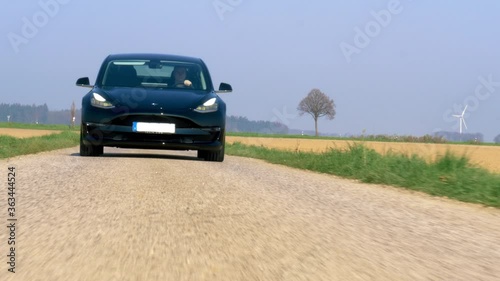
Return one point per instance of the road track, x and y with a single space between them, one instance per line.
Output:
154 215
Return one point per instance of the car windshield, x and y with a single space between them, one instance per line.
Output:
158 74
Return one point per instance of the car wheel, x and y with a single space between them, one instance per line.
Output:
214 156
89 149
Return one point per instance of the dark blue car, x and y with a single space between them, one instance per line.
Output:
153 101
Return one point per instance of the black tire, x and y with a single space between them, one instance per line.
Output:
213 156
90 150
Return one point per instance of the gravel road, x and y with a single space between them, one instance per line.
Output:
153 215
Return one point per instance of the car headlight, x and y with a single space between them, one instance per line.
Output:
99 101
210 105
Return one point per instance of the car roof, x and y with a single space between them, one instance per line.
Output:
151 56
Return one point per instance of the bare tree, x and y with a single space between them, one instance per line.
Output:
73 114
317 104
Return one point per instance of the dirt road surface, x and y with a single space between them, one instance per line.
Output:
152 215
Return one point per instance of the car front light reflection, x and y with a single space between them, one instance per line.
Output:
99 101
210 105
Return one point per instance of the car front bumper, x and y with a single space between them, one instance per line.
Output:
205 138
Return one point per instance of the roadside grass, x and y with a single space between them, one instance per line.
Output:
450 176
59 127
11 146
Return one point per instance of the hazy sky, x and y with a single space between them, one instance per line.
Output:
392 67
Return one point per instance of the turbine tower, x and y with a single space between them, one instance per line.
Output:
462 119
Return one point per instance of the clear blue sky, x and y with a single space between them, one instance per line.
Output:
419 62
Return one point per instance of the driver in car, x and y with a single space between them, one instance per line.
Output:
179 75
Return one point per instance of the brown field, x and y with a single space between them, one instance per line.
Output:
484 156
26 133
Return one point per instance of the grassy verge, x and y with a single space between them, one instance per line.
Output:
450 176
10 146
38 126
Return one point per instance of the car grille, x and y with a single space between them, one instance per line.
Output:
129 119
167 138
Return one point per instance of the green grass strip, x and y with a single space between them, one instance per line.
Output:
451 176
10 146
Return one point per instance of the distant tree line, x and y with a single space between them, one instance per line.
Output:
24 113
242 124
40 114
402 138
35 114
464 137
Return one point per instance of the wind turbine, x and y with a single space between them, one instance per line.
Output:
462 120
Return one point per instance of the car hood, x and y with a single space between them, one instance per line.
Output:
155 100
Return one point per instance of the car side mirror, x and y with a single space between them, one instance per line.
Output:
84 82
225 88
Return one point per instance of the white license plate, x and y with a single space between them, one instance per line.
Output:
159 128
